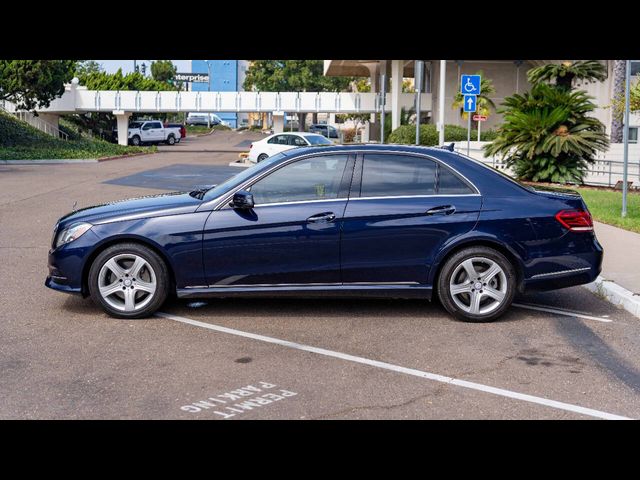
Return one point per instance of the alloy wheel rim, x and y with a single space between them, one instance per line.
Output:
127 282
478 286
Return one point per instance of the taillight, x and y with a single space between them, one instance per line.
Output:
576 220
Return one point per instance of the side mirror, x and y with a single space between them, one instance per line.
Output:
242 199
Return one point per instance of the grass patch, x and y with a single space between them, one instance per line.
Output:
606 205
19 141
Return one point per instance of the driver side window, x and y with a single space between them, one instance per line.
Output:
316 178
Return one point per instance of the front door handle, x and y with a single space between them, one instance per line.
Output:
322 217
442 210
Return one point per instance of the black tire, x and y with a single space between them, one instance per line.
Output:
262 156
135 141
156 263
505 283
171 140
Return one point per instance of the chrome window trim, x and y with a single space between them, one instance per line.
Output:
344 199
217 204
417 196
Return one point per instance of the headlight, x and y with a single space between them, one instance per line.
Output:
71 233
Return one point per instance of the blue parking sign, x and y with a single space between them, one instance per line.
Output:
470 84
470 103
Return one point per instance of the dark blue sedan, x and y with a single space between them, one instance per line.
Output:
375 220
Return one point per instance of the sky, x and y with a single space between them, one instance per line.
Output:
111 66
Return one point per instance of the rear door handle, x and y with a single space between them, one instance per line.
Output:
322 217
442 210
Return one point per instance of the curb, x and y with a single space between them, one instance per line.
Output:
616 294
68 161
105 159
53 161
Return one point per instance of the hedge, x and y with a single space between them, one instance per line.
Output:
406 134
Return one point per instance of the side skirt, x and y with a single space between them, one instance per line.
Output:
314 290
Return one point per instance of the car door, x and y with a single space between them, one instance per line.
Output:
277 144
146 132
158 132
402 209
291 236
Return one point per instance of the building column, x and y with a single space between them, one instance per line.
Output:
396 90
122 119
278 122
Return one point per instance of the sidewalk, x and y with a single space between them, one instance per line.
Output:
619 281
621 256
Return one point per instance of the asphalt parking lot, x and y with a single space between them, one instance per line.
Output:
560 355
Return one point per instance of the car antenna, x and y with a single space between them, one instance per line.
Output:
448 147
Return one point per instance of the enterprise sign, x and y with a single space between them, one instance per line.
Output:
192 77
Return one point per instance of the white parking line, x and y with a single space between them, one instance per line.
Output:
567 313
396 368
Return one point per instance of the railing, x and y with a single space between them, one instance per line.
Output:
602 172
41 125
173 101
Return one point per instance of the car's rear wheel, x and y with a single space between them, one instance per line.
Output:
477 284
128 280
171 140
262 156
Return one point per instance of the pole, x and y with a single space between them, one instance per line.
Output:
418 77
384 99
479 126
625 139
443 79
208 90
468 132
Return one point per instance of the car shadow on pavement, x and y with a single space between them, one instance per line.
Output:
584 339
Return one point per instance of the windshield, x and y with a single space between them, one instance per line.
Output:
135 124
318 140
241 177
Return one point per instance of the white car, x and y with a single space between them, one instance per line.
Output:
279 142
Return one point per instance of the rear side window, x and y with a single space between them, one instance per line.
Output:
450 184
396 175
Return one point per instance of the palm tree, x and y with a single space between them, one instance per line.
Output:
619 72
484 103
565 72
547 134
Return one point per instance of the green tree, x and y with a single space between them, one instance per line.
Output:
484 103
163 70
547 134
86 67
293 76
34 83
565 73
619 71
118 81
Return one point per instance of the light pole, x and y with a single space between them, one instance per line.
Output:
625 136
208 90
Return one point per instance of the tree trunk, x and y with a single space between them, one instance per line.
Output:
302 119
619 72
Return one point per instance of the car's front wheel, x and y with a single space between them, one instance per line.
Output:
135 141
128 280
477 284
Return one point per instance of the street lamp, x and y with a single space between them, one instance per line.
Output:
208 90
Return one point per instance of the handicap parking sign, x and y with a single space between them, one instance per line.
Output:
470 84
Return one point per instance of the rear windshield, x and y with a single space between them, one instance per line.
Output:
499 172
318 140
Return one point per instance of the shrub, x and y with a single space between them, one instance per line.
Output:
406 134
348 135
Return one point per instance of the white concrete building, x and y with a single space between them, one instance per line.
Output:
508 77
